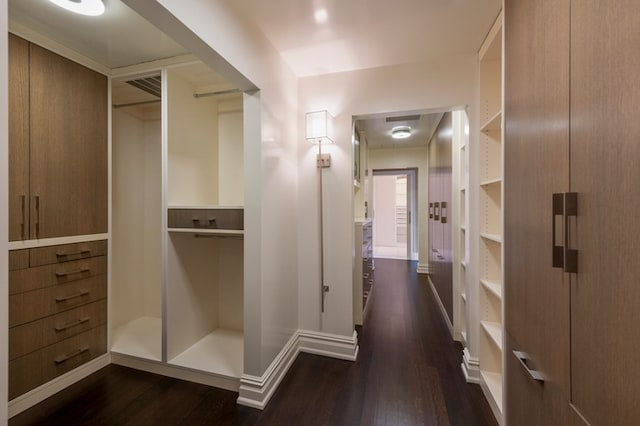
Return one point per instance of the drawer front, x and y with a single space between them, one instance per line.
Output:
66 252
35 335
60 273
206 218
33 305
36 368
18 259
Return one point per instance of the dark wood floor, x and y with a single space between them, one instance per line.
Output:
407 373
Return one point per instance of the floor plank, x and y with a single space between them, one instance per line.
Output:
407 373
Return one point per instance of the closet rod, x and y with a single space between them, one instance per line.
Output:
222 92
136 103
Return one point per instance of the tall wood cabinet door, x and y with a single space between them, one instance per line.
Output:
536 165
18 138
605 153
68 147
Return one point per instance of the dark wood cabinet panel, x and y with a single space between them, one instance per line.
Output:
68 147
536 156
18 138
605 149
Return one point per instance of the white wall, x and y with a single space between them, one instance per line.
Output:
241 54
442 84
4 218
384 211
230 159
401 158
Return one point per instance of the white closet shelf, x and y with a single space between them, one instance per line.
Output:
493 286
212 232
493 123
493 381
494 330
495 181
221 352
141 338
496 238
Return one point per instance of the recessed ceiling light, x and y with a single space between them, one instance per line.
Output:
82 7
321 16
401 132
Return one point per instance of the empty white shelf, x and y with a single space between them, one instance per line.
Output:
497 238
493 286
493 181
220 352
493 123
141 338
494 330
493 381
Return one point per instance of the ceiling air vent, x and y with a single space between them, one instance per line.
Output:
151 85
402 118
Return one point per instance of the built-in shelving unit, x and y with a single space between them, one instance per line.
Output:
491 219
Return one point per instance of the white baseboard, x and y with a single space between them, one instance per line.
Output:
256 391
443 311
470 367
423 268
182 373
39 394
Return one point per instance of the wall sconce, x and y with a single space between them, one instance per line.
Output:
319 130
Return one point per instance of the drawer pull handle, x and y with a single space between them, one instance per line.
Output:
70 355
197 223
72 324
23 229
73 296
74 253
37 216
523 358
74 272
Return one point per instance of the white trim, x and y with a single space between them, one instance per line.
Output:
39 394
256 391
442 308
27 244
423 268
152 66
470 367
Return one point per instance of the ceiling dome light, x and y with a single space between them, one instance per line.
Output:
82 7
401 132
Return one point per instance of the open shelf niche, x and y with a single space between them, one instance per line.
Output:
136 282
491 219
204 265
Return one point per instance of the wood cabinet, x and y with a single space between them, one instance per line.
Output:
57 145
57 311
570 93
363 269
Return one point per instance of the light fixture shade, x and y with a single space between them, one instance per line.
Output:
401 132
319 127
82 7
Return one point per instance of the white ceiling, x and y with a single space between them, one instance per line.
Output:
378 129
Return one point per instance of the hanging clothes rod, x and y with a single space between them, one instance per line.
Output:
222 92
136 103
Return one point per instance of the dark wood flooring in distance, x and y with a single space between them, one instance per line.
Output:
407 373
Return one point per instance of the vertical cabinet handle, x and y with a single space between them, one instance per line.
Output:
23 229
436 211
570 210
523 359
37 216
558 251
443 212
430 210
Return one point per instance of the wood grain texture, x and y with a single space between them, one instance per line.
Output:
605 148
68 147
18 259
66 252
536 164
206 218
18 138
408 372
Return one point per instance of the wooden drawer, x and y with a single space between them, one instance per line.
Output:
34 335
36 304
18 259
50 275
206 218
36 368
66 252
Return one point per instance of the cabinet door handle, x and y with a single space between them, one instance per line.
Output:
73 296
74 253
37 216
570 210
74 272
436 211
558 251
70 355
197 223
443 212
23 229
72 324
430 210
523 358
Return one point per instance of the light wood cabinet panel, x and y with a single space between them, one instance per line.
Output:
605 148
536 162
18 138
68 147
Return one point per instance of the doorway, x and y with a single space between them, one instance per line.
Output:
394 207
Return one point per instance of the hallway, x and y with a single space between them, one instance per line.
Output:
408 373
